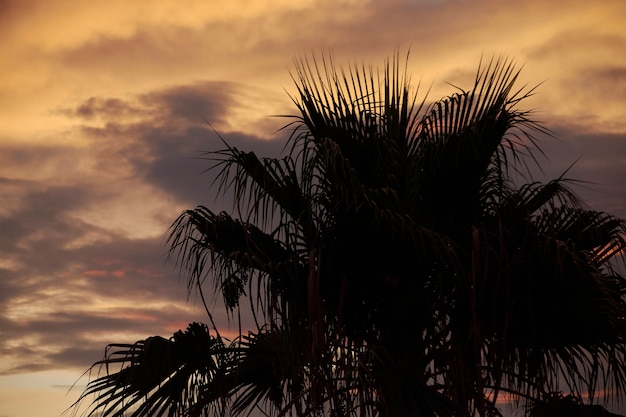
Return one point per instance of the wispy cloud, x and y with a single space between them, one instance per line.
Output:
83 253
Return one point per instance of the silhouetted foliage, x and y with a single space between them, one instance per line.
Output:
392 264
557 404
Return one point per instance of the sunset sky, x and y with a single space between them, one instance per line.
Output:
102 116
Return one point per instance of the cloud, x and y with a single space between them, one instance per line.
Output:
190 104
83 255
161 137
608 82
597 160
79 298
106 108
187 104
260 47
584 82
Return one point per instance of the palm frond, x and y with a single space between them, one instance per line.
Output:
267 186
157 376
205 243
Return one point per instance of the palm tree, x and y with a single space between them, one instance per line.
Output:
392 265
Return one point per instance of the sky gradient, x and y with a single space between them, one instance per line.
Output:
102 119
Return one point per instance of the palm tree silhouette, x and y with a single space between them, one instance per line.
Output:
392 265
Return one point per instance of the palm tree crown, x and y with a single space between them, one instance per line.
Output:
392 265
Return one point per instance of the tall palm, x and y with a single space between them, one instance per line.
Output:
392 265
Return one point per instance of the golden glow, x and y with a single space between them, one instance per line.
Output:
44 394
75 186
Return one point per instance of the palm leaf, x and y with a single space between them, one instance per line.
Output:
157 376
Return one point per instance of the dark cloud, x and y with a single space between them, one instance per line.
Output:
69 280
85 295
167 147
180 162
597 160
192 104
19 161
40 225
187 104
48 285
608 83
105 108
